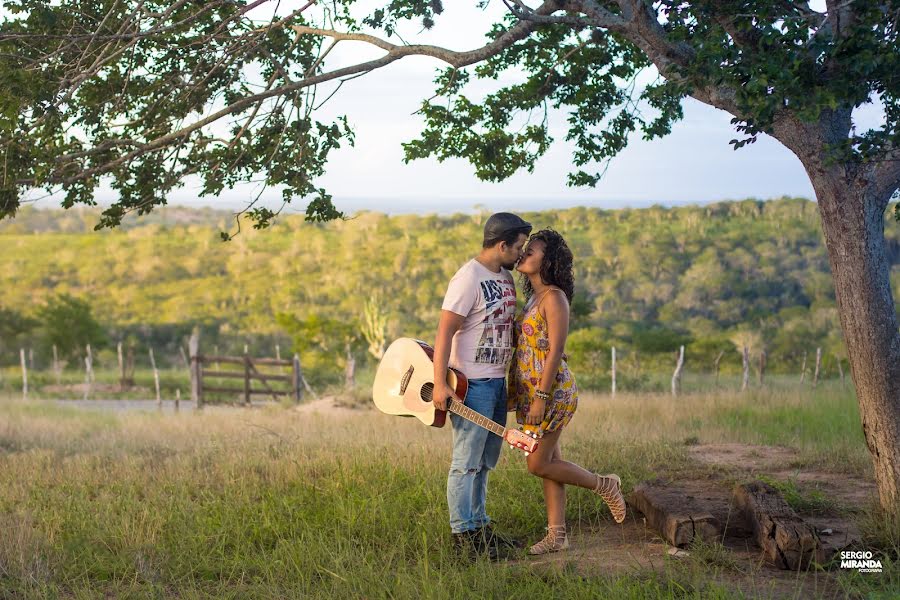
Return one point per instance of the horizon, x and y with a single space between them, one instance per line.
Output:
358 205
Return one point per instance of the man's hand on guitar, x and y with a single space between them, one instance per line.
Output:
440 395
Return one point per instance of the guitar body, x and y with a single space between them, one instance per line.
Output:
404 382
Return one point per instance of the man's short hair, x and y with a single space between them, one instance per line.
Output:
504 227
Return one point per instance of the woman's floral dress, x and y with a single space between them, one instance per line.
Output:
532 346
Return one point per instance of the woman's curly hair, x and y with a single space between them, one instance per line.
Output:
556 267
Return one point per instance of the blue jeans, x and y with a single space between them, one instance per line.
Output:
475 452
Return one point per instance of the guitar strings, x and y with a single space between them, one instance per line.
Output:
427 392
461 409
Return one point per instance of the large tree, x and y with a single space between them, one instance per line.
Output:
145 93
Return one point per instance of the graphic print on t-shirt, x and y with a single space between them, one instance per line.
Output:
495 345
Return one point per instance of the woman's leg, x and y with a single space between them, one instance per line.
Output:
555 495
545 463
555 500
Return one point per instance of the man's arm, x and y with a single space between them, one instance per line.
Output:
448 326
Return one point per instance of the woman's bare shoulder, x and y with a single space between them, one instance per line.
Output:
556 303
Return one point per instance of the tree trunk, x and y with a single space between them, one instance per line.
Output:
803 369
716 364
762 367
350 372
853 223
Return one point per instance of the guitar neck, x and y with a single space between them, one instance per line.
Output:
458 408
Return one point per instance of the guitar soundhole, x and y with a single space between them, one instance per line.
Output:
427 391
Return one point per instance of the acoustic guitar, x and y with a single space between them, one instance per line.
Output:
404 383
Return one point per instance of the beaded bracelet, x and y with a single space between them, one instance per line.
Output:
542 395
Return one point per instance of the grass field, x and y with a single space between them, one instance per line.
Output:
278 503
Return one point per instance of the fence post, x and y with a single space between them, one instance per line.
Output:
745 358
121 364
155 379
90 363
56 369
613 371
296 376
818 365
196 368
177 399
24 374
762 366
246 377
88 372
803 368
840 370
676 376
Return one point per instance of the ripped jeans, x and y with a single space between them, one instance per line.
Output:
475 452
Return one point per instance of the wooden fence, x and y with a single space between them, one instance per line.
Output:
249 373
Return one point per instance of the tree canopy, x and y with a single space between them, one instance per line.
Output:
145 95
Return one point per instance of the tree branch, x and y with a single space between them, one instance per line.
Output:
524 13
457 59
841 16
645 31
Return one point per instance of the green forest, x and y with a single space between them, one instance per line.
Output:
712 278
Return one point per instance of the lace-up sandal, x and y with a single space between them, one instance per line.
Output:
554 541
609 487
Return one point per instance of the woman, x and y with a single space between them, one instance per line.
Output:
542 388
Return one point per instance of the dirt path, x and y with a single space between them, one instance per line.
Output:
632 547
851 491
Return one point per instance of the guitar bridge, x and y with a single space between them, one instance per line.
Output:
405 381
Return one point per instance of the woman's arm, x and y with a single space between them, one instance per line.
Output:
556 314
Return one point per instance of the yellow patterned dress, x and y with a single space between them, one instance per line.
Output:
532 346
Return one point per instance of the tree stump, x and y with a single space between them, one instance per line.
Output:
673 515
786 540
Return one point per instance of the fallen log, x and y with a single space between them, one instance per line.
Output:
674 515
786 540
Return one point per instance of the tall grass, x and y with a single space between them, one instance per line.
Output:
277 503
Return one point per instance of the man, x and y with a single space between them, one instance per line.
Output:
475 336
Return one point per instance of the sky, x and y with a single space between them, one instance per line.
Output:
693 164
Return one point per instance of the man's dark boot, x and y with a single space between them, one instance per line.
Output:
502 542
464 544
488 545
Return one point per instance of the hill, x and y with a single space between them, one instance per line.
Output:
646 279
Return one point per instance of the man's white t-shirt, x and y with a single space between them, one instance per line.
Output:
483 346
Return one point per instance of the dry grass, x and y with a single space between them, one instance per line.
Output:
277 502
